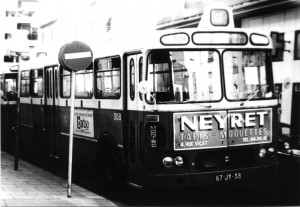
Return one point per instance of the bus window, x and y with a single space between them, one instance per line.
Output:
55 83
141 74
36 77
108 82
84 84
50 84
247 75
10 87
47 84
184 76
65 84
24 84
297 45
132 78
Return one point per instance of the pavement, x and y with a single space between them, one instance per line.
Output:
33 186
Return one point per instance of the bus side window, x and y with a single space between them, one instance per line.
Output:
10 87
25 84
132 77
108 78
36 83
65 83
51 84
55 83
47 83
84 84
141 74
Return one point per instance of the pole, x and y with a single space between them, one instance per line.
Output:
71 134
16 163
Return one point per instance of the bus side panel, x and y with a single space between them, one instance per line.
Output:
26 130
85 148
132 146
109 122
8 127
49 127
39 140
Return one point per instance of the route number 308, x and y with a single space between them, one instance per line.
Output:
117 117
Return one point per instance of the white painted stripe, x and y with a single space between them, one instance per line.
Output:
78 55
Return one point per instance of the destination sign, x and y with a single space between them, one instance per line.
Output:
216 129
175 39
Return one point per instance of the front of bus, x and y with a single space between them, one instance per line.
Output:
214 115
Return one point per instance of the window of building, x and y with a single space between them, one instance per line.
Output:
297 45
36 77
33 34
24 26
278 46
107 76
25 80
7 36
8 59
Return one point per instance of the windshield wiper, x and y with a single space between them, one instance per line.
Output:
207 106
253 94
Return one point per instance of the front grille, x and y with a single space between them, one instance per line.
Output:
224 159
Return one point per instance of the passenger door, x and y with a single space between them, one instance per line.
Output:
134 116
51 111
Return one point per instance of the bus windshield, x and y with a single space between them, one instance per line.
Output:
184 76
247 75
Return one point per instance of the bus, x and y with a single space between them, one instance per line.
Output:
184 107
8 82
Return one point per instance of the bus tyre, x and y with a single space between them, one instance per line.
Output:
108 168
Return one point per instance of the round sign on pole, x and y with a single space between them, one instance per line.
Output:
75 56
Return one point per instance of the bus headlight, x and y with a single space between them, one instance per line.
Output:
271 149
262 152
178 161
167 162
286 145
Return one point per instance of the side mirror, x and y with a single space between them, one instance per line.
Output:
144 88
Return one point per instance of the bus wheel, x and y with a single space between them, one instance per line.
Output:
108 168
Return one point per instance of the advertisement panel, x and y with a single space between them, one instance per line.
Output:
84 122
216 129
249 127
199 130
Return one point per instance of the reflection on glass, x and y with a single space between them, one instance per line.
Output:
247 75
84 84
108 76
184 76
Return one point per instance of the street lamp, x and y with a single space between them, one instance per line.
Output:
19 45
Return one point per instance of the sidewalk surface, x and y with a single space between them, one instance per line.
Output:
33 186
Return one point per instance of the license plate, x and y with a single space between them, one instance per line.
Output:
228 177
